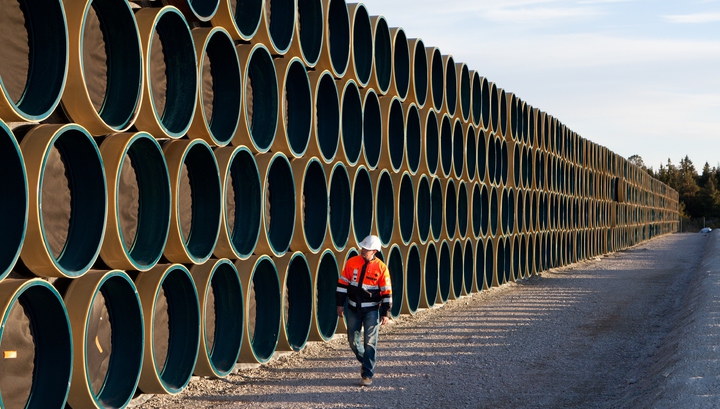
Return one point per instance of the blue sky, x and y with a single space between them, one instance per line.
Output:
638 76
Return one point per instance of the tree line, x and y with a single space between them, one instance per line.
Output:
699 195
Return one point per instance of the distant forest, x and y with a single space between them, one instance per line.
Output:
699 195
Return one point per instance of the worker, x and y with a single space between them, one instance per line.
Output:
365 283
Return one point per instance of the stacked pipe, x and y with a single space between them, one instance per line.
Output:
183 185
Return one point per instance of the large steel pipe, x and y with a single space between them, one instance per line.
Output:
393 134
325 131
458 269
476 210
418 91
35 54
277 25
422 210
430 157
170 85
469 284
261 107
476 99
458 150
362 203
446 146
325 277
436 75
309 29
171 313
196 201
351 123
105 76
436 208
470 152
108 336
382 58
430 283
479 261
68 209
220 294
400 63
217 114
413 138
384 207
37 345
335 54
452 86
241 203
139 201
493 125
297 301
311 205
492 159
396 266
339 206
263 308
450 209
462 210
404 228
15 211
278 214
413 273
296 109
241 19
372 129
494 209
361 51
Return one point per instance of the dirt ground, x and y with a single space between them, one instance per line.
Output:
635 329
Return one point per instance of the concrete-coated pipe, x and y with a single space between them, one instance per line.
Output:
311 205
436 75
458 269
196 201
170 86
423 211
240 20
469 285
458 150
464 97
384 207
418 91
480 100
37 345
362 203
308 35
139 201
277 26
476 210
108 336
463 213
105 75
217 114
67 211
451 85
431 267
482 156
171 313
437 198
382 58
446 146
15 185
296 108
430 158
470 152
35 60
335 54
372 129
297 301
396 266
450 209
414 267
351 123
413 138
361 50
400 63
263 308
339 213
393 134
325 130
220 293
326 272
260 106
404 228
278 215
241 203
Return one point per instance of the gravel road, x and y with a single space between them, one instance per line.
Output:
635 329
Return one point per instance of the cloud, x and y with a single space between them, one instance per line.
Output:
697 18
535 14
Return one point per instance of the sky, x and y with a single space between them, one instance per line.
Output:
641 77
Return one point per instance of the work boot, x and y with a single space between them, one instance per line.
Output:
366 381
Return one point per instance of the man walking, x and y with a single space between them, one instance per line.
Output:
365 283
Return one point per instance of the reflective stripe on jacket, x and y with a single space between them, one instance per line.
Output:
374 290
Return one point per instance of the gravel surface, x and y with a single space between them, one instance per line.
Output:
634 329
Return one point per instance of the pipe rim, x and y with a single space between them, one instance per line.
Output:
327 106
337 39
260 71
248 180
15 184
362 210
339 198
422 210
437 196
362 44
310 42
281 27
325 284
351 122
279 238
382 56
419 72
400 62
372 129
413 138
298 321
458 149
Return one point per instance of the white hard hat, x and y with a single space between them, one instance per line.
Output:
371 242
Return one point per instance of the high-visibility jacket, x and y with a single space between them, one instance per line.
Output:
373 292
